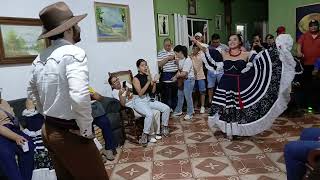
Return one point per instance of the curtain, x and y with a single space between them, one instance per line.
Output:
181 30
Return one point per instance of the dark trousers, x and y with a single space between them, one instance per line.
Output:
104 124
169 94
296 153
309 88
74 157
8 151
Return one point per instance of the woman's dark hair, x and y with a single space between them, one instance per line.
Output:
269 36
183 49
257 34
110 78
239 38
139 62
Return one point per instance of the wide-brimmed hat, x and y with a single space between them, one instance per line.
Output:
57 18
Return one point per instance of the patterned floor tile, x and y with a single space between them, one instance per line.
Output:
129 144
271 144
214 166
170 152
136 155
268 134
173 139
220 178
172 169
307 120
197 127
283 121
288 130
199 137
176 128
205 150
137 171
109 169
253 164
273 176
278 159
236 148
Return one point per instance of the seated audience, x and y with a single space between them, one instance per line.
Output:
143 84
186 80
43 166
13 143
125 97
296 153
102 121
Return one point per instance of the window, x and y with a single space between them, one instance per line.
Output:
198 25
242 29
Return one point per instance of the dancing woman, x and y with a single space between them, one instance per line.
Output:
254 90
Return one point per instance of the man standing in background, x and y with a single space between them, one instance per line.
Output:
169 68
309 50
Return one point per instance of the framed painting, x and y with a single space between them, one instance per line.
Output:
192 7
218 21
19 40
163 24
304 15
112 21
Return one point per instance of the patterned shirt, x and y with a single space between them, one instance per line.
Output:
170 66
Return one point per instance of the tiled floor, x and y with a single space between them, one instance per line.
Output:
193 151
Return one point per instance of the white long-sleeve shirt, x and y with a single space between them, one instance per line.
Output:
60 84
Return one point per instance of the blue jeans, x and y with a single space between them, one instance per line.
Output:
213 79
200 85
104 124
186 93
9 149
146 108
296 152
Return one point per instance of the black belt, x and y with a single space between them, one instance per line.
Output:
62 123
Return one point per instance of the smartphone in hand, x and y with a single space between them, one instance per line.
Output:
124 84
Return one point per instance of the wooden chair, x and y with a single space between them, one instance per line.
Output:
133 126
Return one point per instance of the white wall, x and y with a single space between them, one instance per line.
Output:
103 57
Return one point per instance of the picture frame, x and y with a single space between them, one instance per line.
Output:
192 7
304 14
116 28
19 40
163 24
218 22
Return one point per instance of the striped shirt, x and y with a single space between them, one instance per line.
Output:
170 66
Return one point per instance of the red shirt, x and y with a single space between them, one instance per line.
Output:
310 47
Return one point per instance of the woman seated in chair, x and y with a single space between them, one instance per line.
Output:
143 104
124 95
12 140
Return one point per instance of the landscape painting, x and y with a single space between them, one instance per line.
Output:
113 22
19 40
